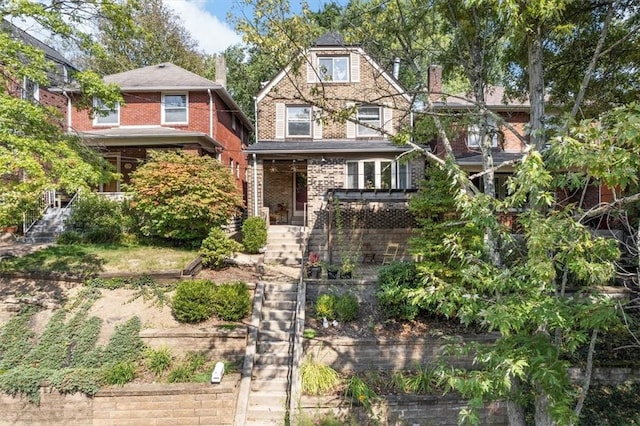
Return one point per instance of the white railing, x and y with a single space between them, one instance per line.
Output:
30 217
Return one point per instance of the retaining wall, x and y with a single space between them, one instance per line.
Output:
131 404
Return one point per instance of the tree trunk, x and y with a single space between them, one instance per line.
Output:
536 88
542 415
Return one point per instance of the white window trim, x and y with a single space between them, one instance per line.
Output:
163 119
378 173
473 135
36 90
368 131
97 116
286 121
333 57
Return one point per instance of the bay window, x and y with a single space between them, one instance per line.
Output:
377 174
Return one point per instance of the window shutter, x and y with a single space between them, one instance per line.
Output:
280 113
317 124
351 126
388 121
355 67
311 64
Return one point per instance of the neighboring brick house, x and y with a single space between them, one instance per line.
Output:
306 156
165 107
59 73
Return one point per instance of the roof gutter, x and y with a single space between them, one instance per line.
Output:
210 113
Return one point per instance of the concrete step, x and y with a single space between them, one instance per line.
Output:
271 335
277 315
269 372
274 401
279 305
265 416
276 326
276 385
280 296
269 287
288 260
267 346
273 359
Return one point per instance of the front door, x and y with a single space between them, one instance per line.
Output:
299 192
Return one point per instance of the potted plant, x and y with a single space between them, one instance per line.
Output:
313 266
332 272
346 268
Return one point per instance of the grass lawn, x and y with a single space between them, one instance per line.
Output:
90 259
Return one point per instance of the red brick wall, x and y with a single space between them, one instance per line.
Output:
232 141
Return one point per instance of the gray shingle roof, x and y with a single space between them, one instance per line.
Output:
165 76
330 39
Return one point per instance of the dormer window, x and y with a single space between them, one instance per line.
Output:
174 108
333 68
105 115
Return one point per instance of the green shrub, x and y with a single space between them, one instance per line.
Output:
394 283
346 308
158 360
231 301
325 306
193 301
180 196
217 248
254 234
120 373
96 219
69 237
318 378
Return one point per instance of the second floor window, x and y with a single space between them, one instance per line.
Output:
473 134
105 115
299 121
334 68
174 108
30 90
369 121
377 174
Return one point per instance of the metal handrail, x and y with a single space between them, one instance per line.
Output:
30 217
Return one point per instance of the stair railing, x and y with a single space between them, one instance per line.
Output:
30 217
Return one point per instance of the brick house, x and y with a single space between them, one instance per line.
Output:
59 73
165 107
310 153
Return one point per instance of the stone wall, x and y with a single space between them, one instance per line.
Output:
400 410
132 404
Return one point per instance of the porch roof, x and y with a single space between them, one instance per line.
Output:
149 136
475 159
325 146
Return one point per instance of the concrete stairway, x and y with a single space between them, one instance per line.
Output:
284 244
268 397
49 226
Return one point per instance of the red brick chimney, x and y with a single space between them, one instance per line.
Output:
435 82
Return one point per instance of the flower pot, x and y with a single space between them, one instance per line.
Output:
332 275
314 272
345 275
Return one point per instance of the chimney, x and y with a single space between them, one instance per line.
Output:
435 82
396 68
221 71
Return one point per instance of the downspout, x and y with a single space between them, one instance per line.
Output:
255 160
64 92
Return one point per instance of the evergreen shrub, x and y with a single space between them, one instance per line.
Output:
95 219
193 301
254 234
231 301
217 249
346 308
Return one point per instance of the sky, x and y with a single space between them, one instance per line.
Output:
207 20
